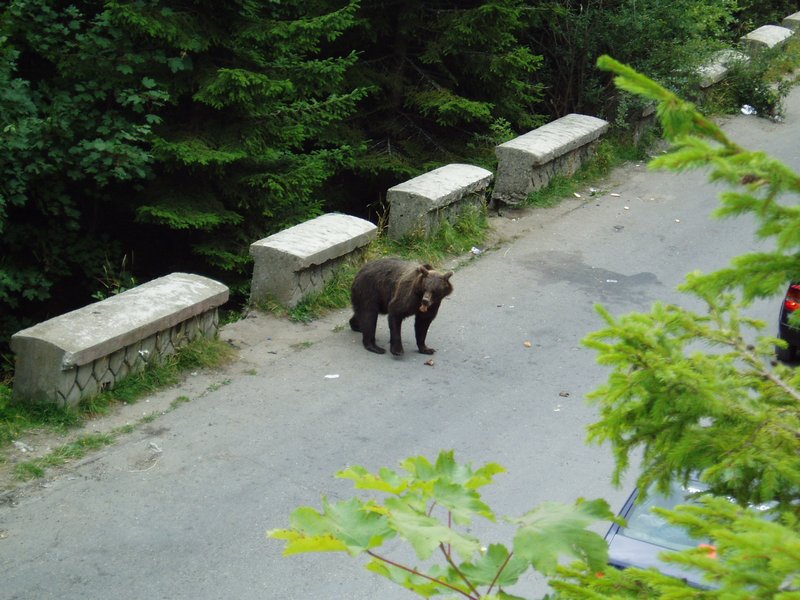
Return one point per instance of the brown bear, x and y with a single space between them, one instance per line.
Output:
400 289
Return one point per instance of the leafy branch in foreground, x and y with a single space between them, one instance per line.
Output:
424 507
702 394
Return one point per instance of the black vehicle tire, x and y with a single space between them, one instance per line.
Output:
787 354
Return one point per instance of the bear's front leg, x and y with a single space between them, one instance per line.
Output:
421 325
395 341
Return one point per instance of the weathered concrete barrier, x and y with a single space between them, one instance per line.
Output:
81 353
792 22
641 121
293 263
766 36
717 68
528 163
420 205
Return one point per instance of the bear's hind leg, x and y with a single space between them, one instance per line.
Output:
368 323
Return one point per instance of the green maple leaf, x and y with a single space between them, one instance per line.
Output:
300 543
483 476
484 571
385 481
553 529
419 468
447 469
346 526
462 503
425 533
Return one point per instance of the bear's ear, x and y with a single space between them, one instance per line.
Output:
424 270
448 275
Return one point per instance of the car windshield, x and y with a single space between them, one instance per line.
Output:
646 526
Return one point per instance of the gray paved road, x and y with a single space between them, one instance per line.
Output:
189 522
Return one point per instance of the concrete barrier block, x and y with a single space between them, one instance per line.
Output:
297 261
421 204
766 36
716 69
69 357
792 22
528 162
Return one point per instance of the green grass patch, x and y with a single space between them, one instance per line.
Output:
786 62
150 417
16 418
28 470
451 239
201 354
611 153
204 354
215 386
178 401
74 450
336 294
553 193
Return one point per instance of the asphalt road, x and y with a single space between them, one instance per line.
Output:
179 508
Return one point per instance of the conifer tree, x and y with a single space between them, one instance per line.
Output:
249 136
171 133
695 395
449 81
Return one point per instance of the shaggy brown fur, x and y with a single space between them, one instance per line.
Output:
400 289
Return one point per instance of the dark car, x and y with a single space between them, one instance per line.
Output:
789 334
647 534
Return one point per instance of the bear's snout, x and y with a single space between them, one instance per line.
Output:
427 298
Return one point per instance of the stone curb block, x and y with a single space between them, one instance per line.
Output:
109 339
292 263
528 162
421 204
717 68
792 22
766 36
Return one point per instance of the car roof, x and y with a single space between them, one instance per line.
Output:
648 535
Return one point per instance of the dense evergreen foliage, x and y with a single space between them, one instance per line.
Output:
173 134
143 137
449 79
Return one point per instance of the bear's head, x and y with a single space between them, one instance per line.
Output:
432 285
